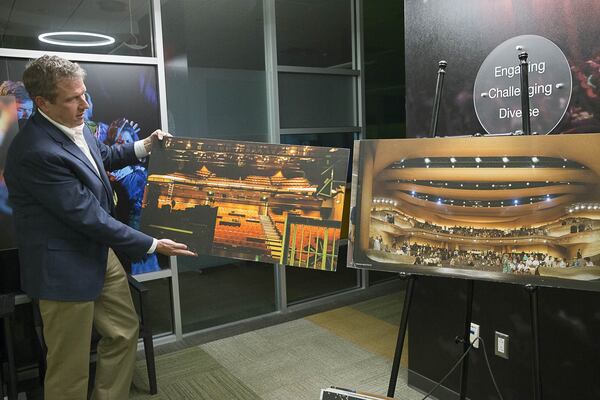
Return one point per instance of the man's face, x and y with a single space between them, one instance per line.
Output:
24 109
69 105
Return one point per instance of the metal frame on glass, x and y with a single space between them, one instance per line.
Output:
275 131
270 38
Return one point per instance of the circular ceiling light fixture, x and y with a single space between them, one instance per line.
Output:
51 38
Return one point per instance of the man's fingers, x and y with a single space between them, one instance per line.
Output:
160 135
172 248
178 246
185 253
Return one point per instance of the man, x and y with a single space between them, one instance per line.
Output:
66 235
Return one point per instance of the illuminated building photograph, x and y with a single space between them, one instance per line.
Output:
515 205
251 201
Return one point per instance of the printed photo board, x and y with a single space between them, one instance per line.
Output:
520 209
251 201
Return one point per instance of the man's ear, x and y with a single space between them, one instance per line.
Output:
41 103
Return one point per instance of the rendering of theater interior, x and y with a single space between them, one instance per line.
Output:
254 201
513 204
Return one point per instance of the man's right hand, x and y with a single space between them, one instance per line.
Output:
171 248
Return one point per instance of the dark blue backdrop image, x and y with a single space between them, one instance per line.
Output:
464 32
123 108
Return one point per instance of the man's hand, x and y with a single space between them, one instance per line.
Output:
171 248
155 136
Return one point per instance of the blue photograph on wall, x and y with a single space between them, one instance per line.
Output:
123 102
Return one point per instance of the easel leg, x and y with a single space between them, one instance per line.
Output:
537 378
401 334
464 373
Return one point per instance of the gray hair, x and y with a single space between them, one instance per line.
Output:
42 75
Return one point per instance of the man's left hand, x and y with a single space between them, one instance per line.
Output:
155 136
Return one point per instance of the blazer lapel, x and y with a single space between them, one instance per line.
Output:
76 152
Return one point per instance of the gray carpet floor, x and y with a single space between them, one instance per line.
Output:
293 360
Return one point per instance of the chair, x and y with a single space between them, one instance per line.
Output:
7 308
145 331
141 293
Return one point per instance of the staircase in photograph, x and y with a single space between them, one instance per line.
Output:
273 237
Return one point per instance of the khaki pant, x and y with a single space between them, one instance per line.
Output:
67 333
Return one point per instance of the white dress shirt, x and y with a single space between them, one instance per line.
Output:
76 136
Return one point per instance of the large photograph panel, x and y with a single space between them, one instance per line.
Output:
250 201
513 208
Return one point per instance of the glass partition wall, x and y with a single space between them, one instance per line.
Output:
230 69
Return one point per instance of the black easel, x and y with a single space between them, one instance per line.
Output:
525 93
532 289
464 372
438 95
535 336
401 332
411 278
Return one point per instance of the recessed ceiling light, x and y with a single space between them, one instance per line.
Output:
50 37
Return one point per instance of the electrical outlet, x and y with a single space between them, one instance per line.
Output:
474 335
501 344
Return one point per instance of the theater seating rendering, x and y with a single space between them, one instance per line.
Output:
498 207
254 188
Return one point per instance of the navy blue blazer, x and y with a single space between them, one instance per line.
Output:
62 211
